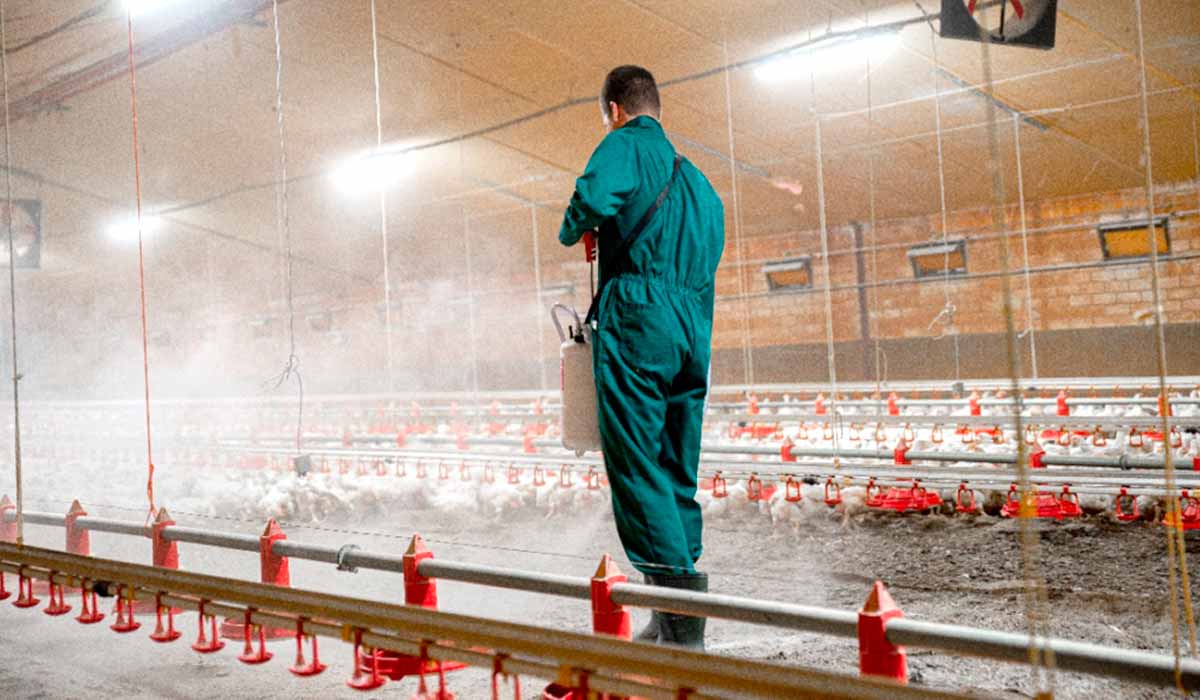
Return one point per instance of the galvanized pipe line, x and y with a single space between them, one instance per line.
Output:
866 419
673 666
1124 463
371 640
1142 667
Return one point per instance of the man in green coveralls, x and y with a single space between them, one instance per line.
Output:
653 337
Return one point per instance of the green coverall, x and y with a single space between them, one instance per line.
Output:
654 335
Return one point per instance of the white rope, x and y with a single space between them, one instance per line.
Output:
1029 329
537 299
740 267
1036 608
12 283
872 155
383 218
828 293
946 315
1176 549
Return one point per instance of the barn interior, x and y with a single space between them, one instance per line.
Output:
241 232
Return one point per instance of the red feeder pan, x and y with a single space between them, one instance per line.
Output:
901 500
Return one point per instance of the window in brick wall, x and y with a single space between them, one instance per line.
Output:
789 275
1130 239
940 259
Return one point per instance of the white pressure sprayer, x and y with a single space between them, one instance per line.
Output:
580 421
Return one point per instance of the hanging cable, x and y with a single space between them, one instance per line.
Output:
872 155
383 219
291 369
1176 545
747 325
12 283
1037 617
137 188
828 293
1029 329
945 317
537 300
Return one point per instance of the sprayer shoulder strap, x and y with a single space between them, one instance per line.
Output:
628 240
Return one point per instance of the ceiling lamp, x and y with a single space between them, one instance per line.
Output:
126 230
371 172
136 8
826 57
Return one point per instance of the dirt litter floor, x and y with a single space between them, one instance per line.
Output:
1107 584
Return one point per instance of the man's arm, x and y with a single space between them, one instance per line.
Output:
606 183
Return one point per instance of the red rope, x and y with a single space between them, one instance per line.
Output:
137 183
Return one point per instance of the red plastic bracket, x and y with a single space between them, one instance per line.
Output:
609 618
785 450
1061 403
893 407
78 540
419 590
876 655
900 455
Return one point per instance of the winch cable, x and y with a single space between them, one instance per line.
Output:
1030 331
137 188
12 282
291 369
383 217
1037 613
880 367
1176 545
831 356
740 265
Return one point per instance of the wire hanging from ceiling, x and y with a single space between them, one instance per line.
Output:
827 293
383 217
137 188
1030 330
1037 604
740 267
537 300
946 318
880 368
291 369
1177 578
12 281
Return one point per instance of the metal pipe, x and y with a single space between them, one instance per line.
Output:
530 581
119 527
225 540
759 612
1128 664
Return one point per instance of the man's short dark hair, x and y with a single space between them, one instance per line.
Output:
633 88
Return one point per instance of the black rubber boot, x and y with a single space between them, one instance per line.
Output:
653 629
682 630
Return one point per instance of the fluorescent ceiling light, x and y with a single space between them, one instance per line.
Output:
126 230
371 172
136 8
824 58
